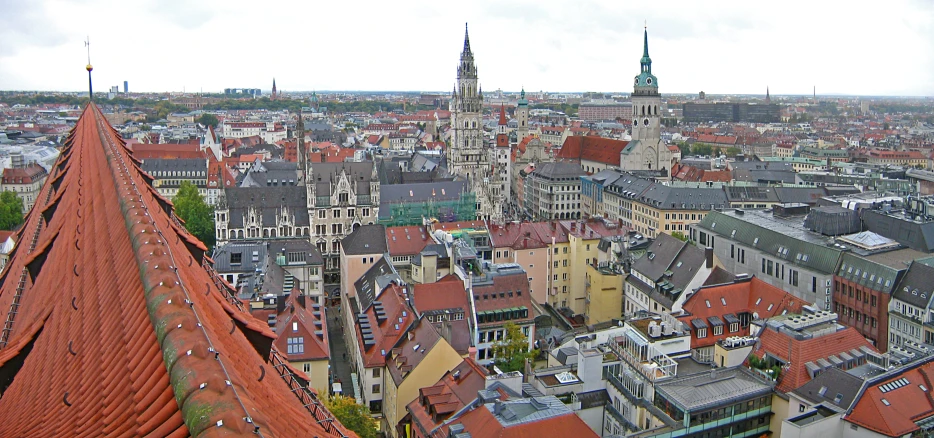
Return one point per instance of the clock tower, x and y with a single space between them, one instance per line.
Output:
646 123
646 150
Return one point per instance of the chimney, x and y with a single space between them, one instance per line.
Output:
497 407
708 256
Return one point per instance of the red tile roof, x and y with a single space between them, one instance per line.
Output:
307 323
894 412
437 402
753 296
480 422
599 149
780 345
24 175
118 326
388 331
496 296
446 293
407 240
144 151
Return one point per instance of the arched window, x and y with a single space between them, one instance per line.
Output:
643 110
266 233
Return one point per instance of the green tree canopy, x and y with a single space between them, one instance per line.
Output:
353 416
208 120
512 351
11 210
701 149
198 216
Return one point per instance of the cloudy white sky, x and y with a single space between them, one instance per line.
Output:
853 47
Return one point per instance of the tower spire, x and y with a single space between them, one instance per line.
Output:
645 50
466 39
767 97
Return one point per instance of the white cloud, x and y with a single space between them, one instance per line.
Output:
718 47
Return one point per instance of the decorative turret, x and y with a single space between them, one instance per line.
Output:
522 100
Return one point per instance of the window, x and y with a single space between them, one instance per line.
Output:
306 368
376 373
376 388
734 327
296 345
337 214
236 258
717 330
322 214
701 333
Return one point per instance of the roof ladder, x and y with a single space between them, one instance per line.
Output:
20 288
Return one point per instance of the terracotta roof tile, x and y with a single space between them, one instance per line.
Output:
754 296
407 240
780 345
599 149
894 412
123 322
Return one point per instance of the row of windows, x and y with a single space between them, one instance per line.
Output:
856 316
502 315
336 213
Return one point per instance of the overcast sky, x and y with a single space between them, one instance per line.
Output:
721 47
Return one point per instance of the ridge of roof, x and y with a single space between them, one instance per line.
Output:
170 352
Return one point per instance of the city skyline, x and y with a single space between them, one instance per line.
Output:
733 48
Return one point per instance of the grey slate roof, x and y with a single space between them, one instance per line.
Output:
831 382
751 194
312 256
800 195
326 174
707 390
222 257
917 286
760 230
269 201
367 239
664 249
373 281
529 410
916 235
271 174
684 198
156 166
559 171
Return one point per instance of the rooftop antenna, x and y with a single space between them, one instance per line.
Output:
87 44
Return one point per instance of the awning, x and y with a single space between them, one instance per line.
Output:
715 321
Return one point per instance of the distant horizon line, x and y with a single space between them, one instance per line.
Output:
268 93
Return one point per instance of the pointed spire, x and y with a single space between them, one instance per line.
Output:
767 97
466 40
502 114
645 50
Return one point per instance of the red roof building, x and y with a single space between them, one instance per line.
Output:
894 404
593 153
804 357
117 329
716 312
438 402
521 418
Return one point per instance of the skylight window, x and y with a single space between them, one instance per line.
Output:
838 398
708 303
723 300
755 241
770 307
886 402
759 300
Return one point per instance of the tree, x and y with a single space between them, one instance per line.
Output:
208 120
512 351
701 149
198 216
353 416
679 235
11 210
